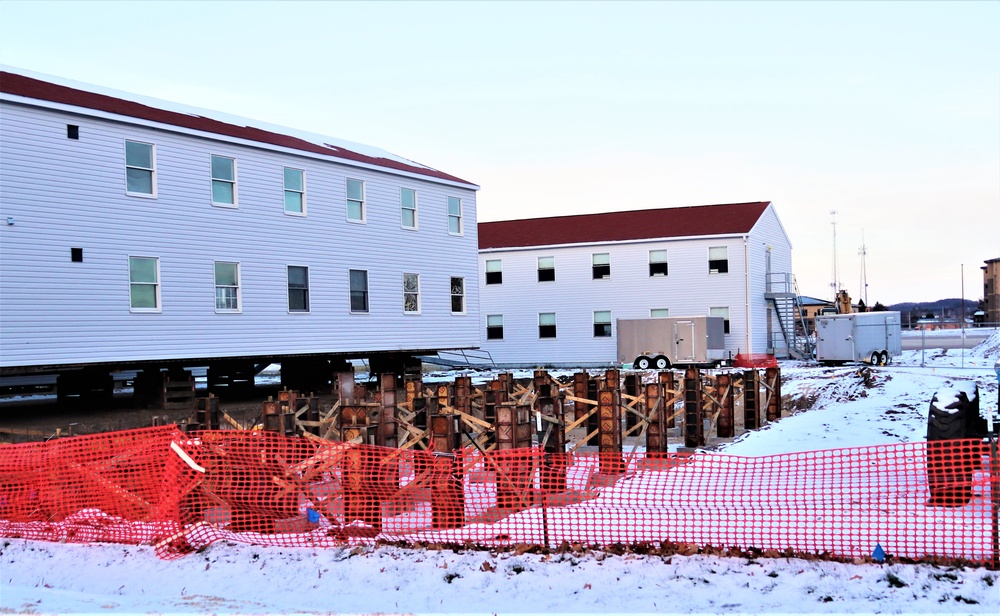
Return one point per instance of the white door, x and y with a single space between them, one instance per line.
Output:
684 341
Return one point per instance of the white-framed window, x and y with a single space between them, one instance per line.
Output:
295 191
411 293
227 286
408 208
659 313
144 284
457 295
546 269
657 262
602 324
721 312
494 271
718 260
546 325
140 169
602 265
454 216
355 200
223 181
298 288
359 290
494 327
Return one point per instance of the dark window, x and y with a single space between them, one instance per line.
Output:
546 269
602 324
298 289
76 255
494 271
359 291
547 325
657 262
494 327
602 265
718 260
458 295
72 131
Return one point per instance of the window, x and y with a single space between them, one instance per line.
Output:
295 191
359 291
547 325
72 131
76 255
140 169
494 327
718 260
227 286
454 216
355 200
494 271
298 288
408 207
144 284
411 293
223 180
602 324
602 265
659 313
657 262
721 312
546 269
457 295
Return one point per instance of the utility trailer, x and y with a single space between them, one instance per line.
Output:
872 337
671 341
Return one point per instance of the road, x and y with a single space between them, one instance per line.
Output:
914 340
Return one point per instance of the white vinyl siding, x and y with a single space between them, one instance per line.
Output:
223 181
189 235
140 169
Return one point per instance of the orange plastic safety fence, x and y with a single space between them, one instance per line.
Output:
181 491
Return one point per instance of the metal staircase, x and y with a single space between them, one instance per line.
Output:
783 293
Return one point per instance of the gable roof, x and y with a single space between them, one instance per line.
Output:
44 88
728 219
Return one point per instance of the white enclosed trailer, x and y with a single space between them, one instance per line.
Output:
873 337
671 341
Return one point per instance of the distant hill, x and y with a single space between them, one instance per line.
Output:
942 308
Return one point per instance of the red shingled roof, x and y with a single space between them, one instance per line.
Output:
21 85
728 219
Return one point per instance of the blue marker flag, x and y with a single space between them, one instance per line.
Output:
312 515
879 554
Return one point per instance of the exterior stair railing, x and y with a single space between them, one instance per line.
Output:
783 293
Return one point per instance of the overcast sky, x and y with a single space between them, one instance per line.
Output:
887 113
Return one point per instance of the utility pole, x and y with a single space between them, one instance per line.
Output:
835 283
863 251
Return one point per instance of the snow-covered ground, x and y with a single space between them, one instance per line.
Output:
226 578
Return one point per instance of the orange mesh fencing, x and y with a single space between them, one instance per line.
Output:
181 491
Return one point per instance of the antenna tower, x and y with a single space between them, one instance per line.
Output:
863 252
835 283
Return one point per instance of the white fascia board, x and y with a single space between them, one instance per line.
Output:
123 119
648 240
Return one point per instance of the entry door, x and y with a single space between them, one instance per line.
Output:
684 341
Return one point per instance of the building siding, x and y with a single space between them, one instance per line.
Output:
688 290
62 193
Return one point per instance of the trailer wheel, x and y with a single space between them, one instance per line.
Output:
661 362
883 358
642 363
875 357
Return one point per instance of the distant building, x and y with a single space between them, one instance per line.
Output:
552 289
991 290
813 306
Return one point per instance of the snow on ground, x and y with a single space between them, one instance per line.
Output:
844 411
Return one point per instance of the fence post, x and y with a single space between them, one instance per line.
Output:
694 427
668 381
610 432
725 426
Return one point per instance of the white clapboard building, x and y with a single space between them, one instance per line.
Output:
553 288
135 232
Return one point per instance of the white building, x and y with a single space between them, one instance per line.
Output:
135 232
553 288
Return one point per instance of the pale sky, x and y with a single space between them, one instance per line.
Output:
887 113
